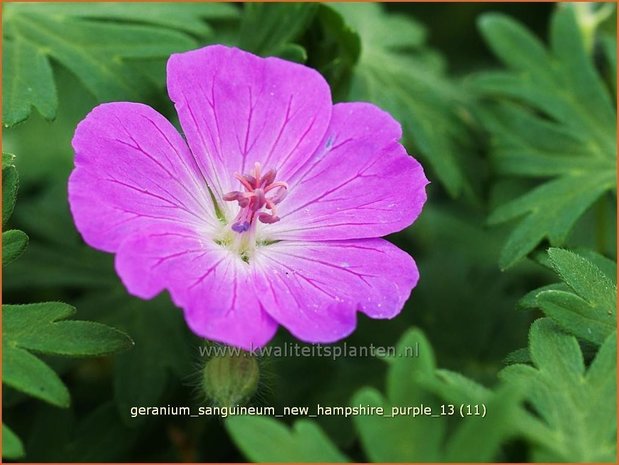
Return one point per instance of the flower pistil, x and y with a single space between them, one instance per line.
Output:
261 192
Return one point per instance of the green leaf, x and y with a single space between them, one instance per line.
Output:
586 304
397 72
396 436
36 327
606 265
269 28
264 439
517 356
586 279
12 447
387 439
577 405
415 381
456 388
292 52
186 17
549 116
589 17
609 44
28 82
10 183
374 430
478 438
23 371
551 210
14 243
334 48
530 298
100 52
502 33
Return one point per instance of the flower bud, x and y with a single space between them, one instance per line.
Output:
231 379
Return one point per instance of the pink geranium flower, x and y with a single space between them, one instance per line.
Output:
269 212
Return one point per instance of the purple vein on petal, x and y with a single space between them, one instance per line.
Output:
180 205
208 272
287 119
331 265
137 147
160 260
297 275
190 169
317 160
204 148
283 162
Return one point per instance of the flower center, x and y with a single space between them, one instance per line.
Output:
261 193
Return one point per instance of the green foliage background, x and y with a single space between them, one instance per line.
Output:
511 110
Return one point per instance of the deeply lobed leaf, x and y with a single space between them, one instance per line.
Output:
270 28
37 327
100 52
267 440
187 17
585 304
551 116
411 381
399 439
399 73
577 405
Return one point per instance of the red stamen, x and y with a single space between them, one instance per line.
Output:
255 198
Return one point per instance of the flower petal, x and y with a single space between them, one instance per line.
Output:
213 286
315 289
361 184
133 170
237 109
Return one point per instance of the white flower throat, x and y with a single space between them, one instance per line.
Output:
258 203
